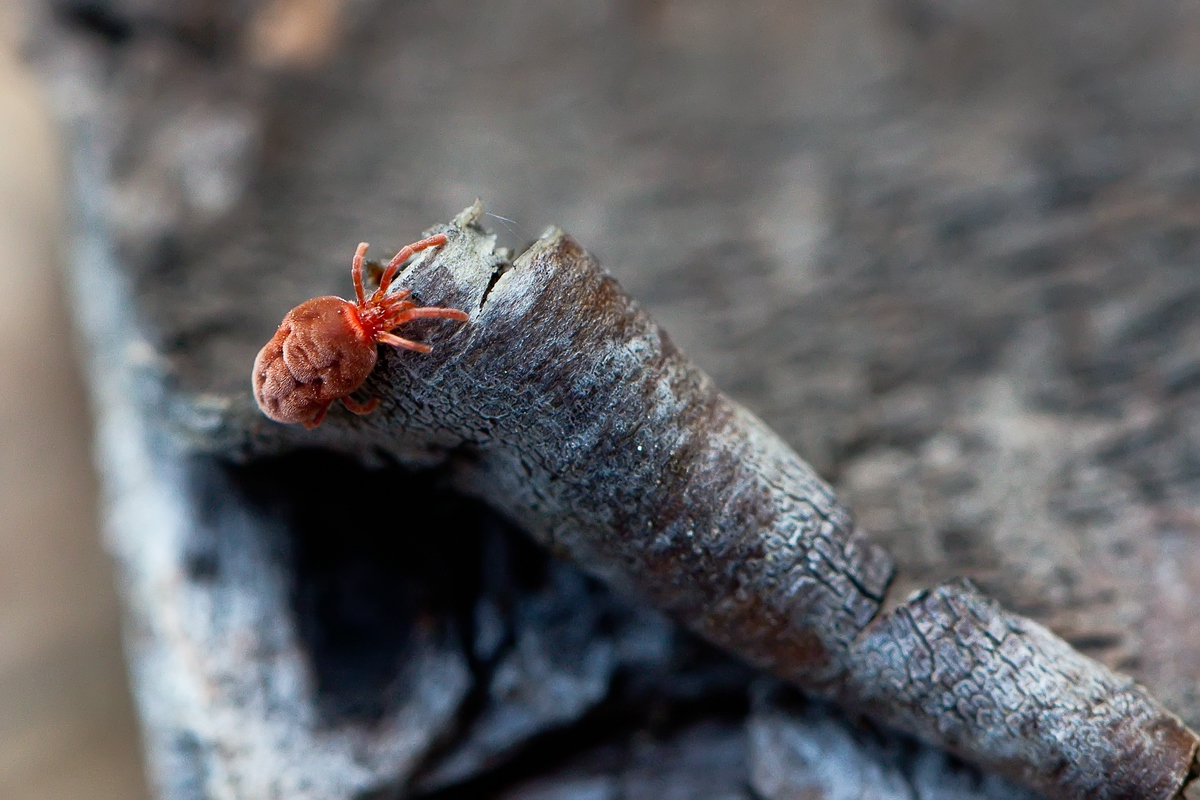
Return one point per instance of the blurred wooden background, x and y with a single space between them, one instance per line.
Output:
66 724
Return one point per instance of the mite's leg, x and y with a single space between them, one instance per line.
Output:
360 408
405 253
316 418
356 273
396 301
396 341
408 314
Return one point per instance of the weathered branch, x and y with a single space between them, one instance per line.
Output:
563 405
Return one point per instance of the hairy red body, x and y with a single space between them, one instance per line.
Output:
325 347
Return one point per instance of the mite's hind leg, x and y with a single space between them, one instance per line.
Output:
316 418
360 408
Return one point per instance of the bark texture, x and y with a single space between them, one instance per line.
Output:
567 408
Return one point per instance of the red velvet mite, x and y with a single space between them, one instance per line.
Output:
325 347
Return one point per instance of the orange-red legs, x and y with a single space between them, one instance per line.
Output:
360 408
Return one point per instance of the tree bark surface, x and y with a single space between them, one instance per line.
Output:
563 405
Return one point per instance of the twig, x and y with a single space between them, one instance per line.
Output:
564 406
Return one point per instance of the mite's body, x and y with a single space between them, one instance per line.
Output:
325 347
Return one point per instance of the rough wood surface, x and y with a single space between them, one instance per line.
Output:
564 406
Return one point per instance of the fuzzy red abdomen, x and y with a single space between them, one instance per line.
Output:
319 354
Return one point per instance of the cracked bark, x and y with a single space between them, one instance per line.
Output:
564 406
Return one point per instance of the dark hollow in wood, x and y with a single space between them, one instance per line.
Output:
564 406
